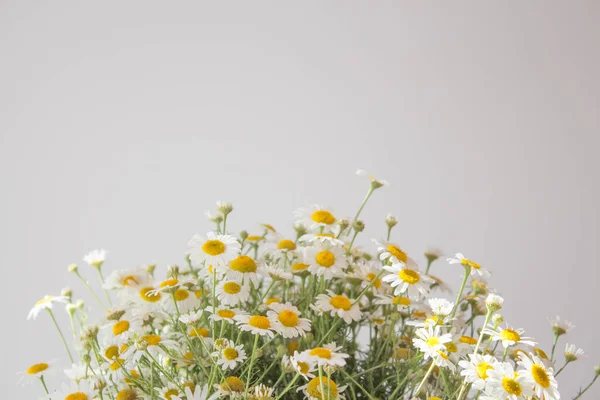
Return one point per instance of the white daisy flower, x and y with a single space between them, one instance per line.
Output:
325 260
430 340
191 318
338 305
286 320
181 299
509 336
393 253
36 371
572 353
276 273
304 368
169 391
475 370
375 183
231 387
314 217
322 237
83 390
320 388
243 269
214 249
263 392
199 393
540 376
367 272
407 280
560 326
504 383
400 302
135 277
125 327
207 273
231 292
327 355
440 307
224 314
442 359
95 258
230 355
255 324
78 372
475 268
45 304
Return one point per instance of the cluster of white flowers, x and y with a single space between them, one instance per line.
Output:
267 316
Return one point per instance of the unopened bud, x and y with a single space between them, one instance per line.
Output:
86 359
72 268
300 230
66 292
243 235
391 221
150 268
497 319
597 370
358 226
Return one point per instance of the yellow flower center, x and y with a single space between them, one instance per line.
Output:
509 334
37 368
451 347
152 340
169 282
303 367
227 314
540 353
467 340
120 327
397 252
243 264
470 263
127 394
170 393
233 384
371 276
323 217
299 267
288 318
230 353
203 332
286 245
272 300
127 281
327 385
540 376
409 276
149 297
181 294
321 352
511 386
325 258
482 369
116 364
77 396
254 238
111 352
213 247
260 322
403 301
432 341
232 288
341 302
269 227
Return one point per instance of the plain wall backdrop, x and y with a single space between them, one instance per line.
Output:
122 122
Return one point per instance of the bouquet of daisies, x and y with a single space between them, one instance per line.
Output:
310 316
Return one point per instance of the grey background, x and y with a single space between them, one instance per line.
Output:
122 122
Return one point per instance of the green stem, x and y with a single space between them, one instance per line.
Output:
369 193
61 334
425 378
554 346
460 292
102 282
358 385
586 388
252 357
44 384
288 387
485 323
87 285
563 367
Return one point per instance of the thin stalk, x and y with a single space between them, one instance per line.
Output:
44 384
485 323
425 378
102 282
460 292
61 334
87 285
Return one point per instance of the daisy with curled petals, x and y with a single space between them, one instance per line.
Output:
277 273
191 318
95 258
325 260
430 340
169 391
304 368
509 336
214 249
375 183
442 359
231 292
505 383
400 302
46 304
475 370
338 305
407 280
84 390
286 320
572 353
208 272
465 262
320 388
224 314
560 326
37 371
441 307
146 298
393 254
123 278
540 376
256 324
230 355
199 393
327 355
243 269
315 217
263 392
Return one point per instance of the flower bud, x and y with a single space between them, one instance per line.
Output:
72 268
224 207
391 221
494 302
497 319
358 226
150 268
597 370
243 235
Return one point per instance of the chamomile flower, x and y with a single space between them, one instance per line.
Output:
45 304
305 368
375 183
560 326
95 258
276 273
199 393
509 336
231 386
320 388
368 273
256 324
442 359
36 371
78 372
540 376
263 392
122 278
191 318
125 327
214 249
393 254
407 280
325 260
83 390
400 302
440 307
243 269
505 383
329 354
169 391
475 370
430 340
314 217
182 300
224 314
230 355
572 353
286 320
338 305
475 267
231 292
